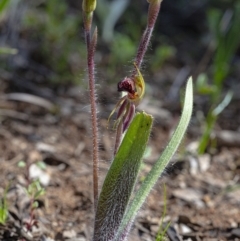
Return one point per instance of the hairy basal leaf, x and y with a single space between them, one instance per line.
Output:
121 178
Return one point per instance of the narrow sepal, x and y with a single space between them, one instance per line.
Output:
129 117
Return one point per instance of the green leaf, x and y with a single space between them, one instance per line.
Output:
121 178
35 204
4 207
21 164
6 50
227 99
35 189
3 4
39 193
160 165
42 165
3 212
202 86
211 120
162 232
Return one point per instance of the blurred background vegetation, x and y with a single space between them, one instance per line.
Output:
42 43
49 38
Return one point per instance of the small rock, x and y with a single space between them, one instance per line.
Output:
193 165
36 172
184 219
154 228
34 156
204 162
236 232
192 147
234 196
69 234
228 138
45 147
47 239
189 195
184 229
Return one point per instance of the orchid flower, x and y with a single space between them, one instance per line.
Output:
134 87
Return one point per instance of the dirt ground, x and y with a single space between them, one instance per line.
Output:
51 126
202 191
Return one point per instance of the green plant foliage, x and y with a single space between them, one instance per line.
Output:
162 232
57 28
3 5
162 54
159 166
3 208
35 190
21 164
3 211
122 49
211 119
225 28
226 32
6 50
115 213
202 86
41 165
121 178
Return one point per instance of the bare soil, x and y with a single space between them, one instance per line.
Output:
202 191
